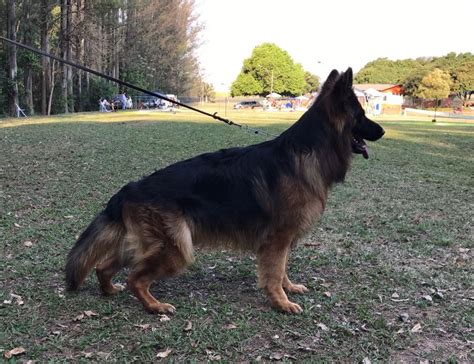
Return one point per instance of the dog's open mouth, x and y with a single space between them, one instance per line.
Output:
359 146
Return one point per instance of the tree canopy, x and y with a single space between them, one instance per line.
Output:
271 69
435 85
411 72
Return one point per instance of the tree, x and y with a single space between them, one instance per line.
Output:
435 85
383 70
245 84
207 93
12 58
269 69
312 82
463 79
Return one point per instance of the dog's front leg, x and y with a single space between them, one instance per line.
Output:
271 258
289 285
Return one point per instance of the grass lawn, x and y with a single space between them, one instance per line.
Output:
389 266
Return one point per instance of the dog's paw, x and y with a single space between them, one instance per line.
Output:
297 288
289 307
112 289
161 308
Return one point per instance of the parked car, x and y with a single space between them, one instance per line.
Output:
149 102
247 105
153 102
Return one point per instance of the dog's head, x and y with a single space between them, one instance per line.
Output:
345 111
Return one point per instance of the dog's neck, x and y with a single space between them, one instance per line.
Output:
314 136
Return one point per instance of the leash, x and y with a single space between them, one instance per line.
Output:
137 88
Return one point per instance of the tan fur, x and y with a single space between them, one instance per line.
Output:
181 234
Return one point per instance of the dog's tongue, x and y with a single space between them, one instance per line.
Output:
365 151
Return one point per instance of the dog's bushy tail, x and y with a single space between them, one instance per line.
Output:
101 238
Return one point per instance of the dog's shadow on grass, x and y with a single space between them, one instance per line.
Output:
215 285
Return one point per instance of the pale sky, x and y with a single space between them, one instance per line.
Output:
322 35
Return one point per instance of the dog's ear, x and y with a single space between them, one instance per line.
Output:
330 82
343 84
348 76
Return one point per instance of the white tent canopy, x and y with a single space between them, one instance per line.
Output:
373 92
274 95
302 97
359 93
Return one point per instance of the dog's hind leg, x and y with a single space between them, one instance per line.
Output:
271 258
162 263
169 250
290 286
105 272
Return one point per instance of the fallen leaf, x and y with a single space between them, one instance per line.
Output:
14 352
103 355
90 313
416 328
230 326
163 354
404 317
79 317
322 326
395 295
212 356
18 299
189 326
88 355
428 298
276 356
28 243
16 225
366 361
143 326
164 318
327 294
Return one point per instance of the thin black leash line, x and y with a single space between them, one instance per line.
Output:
137 88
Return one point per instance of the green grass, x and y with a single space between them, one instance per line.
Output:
397 230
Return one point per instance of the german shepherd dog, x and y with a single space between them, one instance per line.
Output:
261 198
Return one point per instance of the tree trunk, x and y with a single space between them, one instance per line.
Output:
86 43
12 64
64 51
28 33
51 91
45 61
79 51
69 35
